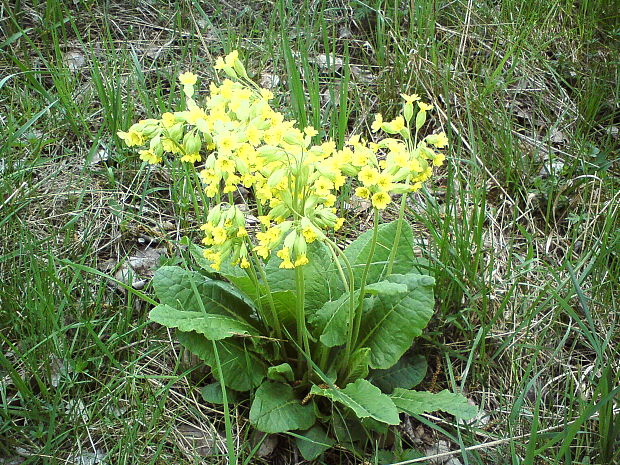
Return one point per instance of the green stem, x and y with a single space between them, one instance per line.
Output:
373 244
352 305
399 228
274 314
302 331
401 210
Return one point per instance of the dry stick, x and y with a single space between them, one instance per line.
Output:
486 445
15 192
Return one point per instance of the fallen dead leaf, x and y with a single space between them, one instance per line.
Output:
269 81
198 441
77 409
89 458
74 60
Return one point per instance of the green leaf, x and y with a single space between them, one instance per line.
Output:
282 372
212 393
284 303
276 410
238 277
317 275
331 321
358 364
385 288
314 442
242 369
213 326
394 320
407 373
173 287
366 400
387 456
357 252
418 402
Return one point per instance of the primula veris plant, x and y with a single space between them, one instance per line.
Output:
283 313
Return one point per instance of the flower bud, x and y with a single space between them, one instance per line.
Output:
176 132
215 215
192 142
408 111
300 247
240 69
230 72
420 119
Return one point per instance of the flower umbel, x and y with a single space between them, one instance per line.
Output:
242 140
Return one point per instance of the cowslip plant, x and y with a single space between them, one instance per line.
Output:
318 336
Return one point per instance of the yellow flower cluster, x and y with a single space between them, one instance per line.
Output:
244 141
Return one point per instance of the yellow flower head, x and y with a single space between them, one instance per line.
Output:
362 192
397 124
425 106
377 123
380 200
131 138
368 176
188 78
410 98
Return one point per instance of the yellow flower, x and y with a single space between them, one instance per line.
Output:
439 159
231 58
425 106
219 64
410 98
380 200
330 200
253 135
309 234
376 125
362 192
385 182
438 140
397 124
191 157
368 176
131 138
219 235
149 157
301 260
310 131
322 186
168 120
188 79
284 254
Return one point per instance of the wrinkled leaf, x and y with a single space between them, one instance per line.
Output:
357 252
282 372
418 402
213 326
364 399
332 320
407 373
212 393
173 287
242 369
317 276
386 288
394 320
276 410
315 441
284 303
358 364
